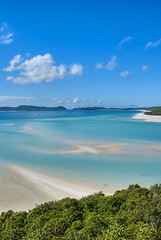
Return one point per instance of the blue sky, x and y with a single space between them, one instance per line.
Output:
80 53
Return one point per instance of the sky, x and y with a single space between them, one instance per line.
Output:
80 53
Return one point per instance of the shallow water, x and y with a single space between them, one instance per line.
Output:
35 140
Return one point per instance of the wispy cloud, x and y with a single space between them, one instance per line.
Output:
144 68
5 98
6 34
153 44
125 73
111 65
99 65
125 40
40 68
75 100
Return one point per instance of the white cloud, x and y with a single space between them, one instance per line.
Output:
153 44
124 40
5 98
75 100
125 73
14 64
75 69
111 64
39 68
6 34
99 65
144 68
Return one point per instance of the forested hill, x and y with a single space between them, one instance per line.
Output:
31 108
90 108
129 214
154 111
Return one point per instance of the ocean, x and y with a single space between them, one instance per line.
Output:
50 141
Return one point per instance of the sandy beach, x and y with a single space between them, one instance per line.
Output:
147 118
22 189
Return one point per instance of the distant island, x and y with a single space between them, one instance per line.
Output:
103 108
90 108
31 108
148 110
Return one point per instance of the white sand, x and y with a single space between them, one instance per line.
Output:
96 148
147 118
22 189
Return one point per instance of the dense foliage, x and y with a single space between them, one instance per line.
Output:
154 111
134 213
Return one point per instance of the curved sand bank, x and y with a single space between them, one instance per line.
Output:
22 189
96 148
155 148
147 118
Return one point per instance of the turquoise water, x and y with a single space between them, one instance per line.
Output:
36 139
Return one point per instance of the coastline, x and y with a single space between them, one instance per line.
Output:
146 118
22 189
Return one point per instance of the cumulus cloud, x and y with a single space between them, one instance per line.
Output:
153 44
144 68
111 64
124 40
75 69
75 100
39 68
6 34
5 98
125 73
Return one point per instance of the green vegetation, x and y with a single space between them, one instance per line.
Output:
154 111
134 213
31 108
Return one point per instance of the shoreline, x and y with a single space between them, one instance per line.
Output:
23 189
147 118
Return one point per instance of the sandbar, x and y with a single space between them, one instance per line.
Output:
147 118
95 148
22 189
155 148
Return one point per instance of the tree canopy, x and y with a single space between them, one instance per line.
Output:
134 213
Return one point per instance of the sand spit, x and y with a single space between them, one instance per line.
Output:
155 148
147 118
22 189
96 148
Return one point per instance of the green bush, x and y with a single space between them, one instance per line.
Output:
134 213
